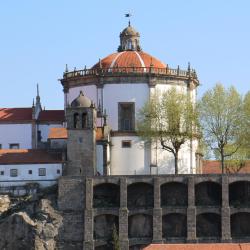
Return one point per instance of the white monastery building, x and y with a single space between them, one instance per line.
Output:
117 87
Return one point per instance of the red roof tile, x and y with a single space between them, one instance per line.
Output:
52 116
130 59
58 133
211 246
61 133
214 167
28 156
15 115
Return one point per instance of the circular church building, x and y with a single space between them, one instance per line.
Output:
119 85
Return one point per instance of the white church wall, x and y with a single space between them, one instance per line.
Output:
164 160
53 172
115 93
129 161
99 159
16 134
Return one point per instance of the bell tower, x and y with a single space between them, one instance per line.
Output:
81 143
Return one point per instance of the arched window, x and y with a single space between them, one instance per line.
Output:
84 120
76 120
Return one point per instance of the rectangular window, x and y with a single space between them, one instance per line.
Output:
14 145
42 171
30 171
126 116
126 144
13 172
58 171
1 172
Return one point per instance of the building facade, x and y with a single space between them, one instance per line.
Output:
119 85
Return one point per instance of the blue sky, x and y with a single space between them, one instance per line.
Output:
39 37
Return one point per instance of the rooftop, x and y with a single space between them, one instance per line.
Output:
211 246
28 156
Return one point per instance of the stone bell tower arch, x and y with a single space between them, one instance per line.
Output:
81 143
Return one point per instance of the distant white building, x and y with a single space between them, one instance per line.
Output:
27 128
24 167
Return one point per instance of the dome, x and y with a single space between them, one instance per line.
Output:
129 59
129 31
81 101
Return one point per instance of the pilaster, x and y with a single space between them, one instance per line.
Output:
225 211
157 212
123 215
191 211
88 216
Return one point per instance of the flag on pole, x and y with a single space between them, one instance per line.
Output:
128 15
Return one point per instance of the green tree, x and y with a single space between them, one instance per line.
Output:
246 107
222 118
115 239
170 119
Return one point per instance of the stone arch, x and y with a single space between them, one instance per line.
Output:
106 195
208 194
84 120
239 194
104 226
140 195
140 226
76 119
208 225
174 225
174 194
240 226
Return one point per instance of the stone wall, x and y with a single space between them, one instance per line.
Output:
158 209
183 208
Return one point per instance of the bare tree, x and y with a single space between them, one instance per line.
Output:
169 118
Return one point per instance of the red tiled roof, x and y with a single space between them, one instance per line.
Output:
211 246
61 133
214 167
58 133
52 116
15 115
130 59
28 156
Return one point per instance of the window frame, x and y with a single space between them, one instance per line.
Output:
13 172
128 142
14 145
121 119
41 173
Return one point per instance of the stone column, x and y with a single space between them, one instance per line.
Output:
225 211
191 211
123 215
88 216
157 212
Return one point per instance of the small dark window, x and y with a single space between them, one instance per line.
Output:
84 120
13 172
76 120
58 171
39 135
126 144
42 171
30 171
14 145
1 172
